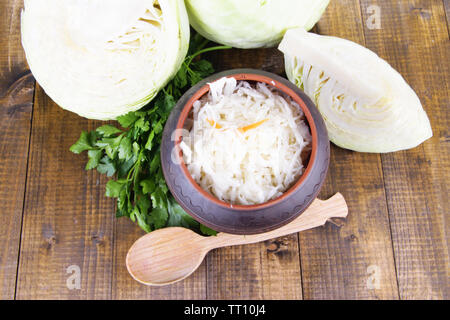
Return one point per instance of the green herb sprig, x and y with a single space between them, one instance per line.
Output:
132 153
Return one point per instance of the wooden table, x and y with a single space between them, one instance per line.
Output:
393 245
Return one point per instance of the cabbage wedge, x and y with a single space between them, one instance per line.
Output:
252 23
367 105
104 58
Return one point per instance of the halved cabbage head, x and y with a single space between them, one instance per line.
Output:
367 105
104 58
252 23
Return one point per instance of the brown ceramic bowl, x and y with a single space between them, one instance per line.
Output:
244 219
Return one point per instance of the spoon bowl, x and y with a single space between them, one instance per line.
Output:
153 264
168 255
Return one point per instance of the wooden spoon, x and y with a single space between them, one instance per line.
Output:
169 255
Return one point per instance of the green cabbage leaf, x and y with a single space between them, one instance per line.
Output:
366 104
102 59
252 23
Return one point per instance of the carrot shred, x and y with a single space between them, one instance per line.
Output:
241 129
214 124
252 126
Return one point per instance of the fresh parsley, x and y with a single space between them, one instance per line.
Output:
131 153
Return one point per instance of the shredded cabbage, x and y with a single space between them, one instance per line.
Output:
248 143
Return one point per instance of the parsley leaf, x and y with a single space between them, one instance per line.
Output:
158 217
125 149
148 186
128 119
107 130
85 142
207 231
106 166
94 158
114 187
132 153
179 217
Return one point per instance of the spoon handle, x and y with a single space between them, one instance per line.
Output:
317 214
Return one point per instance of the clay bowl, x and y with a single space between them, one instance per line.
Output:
243 219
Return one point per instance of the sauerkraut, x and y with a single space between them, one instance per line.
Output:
248 142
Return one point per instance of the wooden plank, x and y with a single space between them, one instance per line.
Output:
447 13
354 261
269 270
68 222
268 59
125 287
416 180
16 102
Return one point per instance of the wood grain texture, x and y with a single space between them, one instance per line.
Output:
397 226
125 287
339 263
416 180
268 270
446 4
67 219
16 101
169 255
268 59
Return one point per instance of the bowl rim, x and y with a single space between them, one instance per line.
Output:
246 76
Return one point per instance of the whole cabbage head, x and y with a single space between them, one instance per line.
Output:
367 105
104 58
252 23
